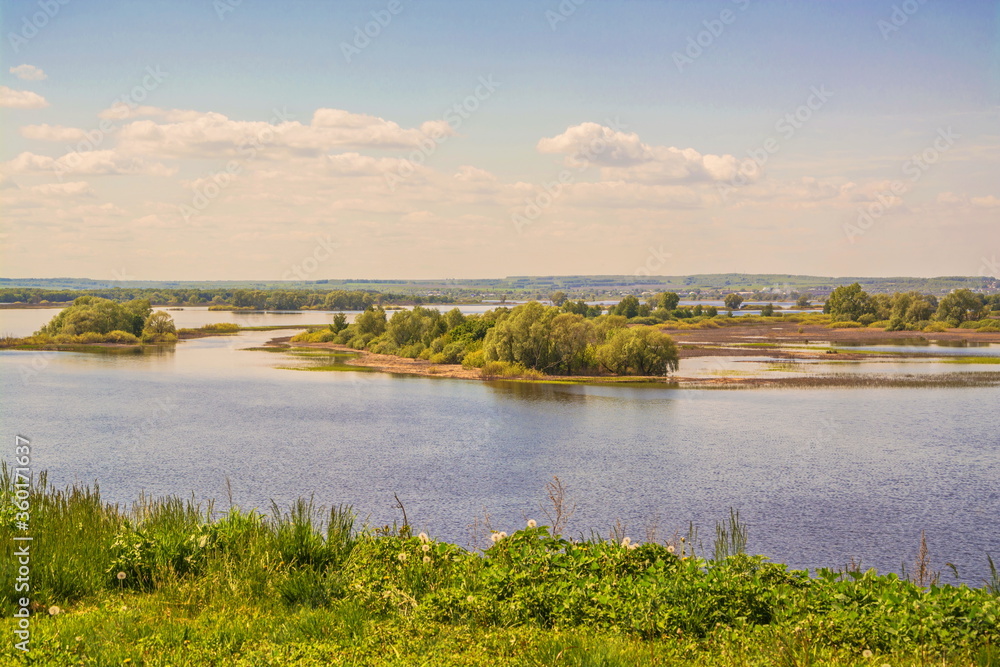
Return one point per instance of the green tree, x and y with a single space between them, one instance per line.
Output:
668 300
159 323
849 302
628 307
733 301
638 351
803 301
767 310
962 305
558 298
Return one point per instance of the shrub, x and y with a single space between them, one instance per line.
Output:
936 327
122 337
881 324
844 325
89 337
508 369
475 359
867 319
222 327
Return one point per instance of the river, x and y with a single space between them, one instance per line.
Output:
819 475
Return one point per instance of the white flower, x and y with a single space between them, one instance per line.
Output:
427 559
425 548
121 575
501 535
401 556
532 523
866 654
633 546
670 549
423 538
494 537
54 610
626 541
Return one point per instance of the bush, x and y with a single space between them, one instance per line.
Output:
222 327
881 324
475 359
645 320
508 369
936 327
121 337
844 325
89 337
867 319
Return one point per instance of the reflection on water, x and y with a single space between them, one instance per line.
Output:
820 475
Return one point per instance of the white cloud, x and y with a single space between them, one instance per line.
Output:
986 202
28 73
85 162
192 134
622 156
21 99
57 133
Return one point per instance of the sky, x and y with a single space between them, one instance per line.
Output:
307 140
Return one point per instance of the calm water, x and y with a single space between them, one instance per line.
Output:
819 475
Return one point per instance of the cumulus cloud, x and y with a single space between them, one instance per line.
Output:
623 156
88 162
57 133
21 99
191 134
28 73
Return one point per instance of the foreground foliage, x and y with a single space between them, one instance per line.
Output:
168 582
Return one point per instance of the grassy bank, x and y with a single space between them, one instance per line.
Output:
169 582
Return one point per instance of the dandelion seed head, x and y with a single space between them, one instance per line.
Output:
626 541
670 549
54 610
121 575
427 559
532 523
423 538
866 654
425 548
502 535
401 556
470 599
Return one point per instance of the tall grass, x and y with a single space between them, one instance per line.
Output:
170 581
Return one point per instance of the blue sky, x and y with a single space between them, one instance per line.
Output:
674 171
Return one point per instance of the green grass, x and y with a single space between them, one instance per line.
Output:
170 582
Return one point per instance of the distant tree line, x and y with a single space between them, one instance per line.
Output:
258 299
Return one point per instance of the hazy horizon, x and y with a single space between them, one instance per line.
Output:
230 140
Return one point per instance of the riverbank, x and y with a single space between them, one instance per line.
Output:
171 582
